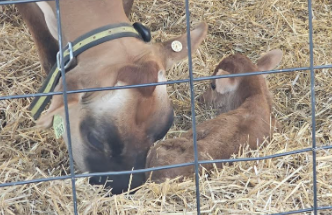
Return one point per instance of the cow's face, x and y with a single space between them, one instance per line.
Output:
113 130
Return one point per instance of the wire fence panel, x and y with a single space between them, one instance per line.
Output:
72 176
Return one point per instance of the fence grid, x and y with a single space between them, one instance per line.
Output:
191 81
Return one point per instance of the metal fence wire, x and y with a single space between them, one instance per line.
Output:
191 81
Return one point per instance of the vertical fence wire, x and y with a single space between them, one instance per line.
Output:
65 100
313 110
192 104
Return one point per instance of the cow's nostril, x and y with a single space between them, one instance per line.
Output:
118 183
98 180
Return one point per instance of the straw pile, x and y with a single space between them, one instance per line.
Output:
262 187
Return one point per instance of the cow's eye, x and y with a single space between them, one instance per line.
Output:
86 97
95 142
213 86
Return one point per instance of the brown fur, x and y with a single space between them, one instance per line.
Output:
247 120
47 46
127 5
140 74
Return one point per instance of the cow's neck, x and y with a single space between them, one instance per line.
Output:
80 17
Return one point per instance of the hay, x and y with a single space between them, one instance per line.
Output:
260 187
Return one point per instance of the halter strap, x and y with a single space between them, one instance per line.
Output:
72 50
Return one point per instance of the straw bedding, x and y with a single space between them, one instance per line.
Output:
262 187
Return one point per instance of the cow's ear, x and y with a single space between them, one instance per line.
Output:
57 103
270 60
176 49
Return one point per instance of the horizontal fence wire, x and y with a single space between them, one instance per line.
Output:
190 80
180 81
166 167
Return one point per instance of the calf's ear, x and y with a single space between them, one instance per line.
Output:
57 103
270 60
176 53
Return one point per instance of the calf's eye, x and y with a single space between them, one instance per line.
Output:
213 86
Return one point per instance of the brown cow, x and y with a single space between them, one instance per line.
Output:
245 107
110 130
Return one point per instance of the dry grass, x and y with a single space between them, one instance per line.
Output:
261 187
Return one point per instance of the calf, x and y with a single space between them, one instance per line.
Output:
110 130
244 105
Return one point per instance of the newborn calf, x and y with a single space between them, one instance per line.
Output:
244 107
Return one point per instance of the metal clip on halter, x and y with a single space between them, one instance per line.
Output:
71 57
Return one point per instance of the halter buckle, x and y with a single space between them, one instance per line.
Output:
71 57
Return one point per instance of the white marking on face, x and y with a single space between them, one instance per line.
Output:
161 76
120 102
49 18
225 85
113 101
161 89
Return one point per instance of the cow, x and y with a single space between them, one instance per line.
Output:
110 130
244 106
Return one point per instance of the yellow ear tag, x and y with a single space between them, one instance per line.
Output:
58 126
176 46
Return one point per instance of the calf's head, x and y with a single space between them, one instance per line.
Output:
113 130
225 94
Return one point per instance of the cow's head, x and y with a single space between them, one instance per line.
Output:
113 130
